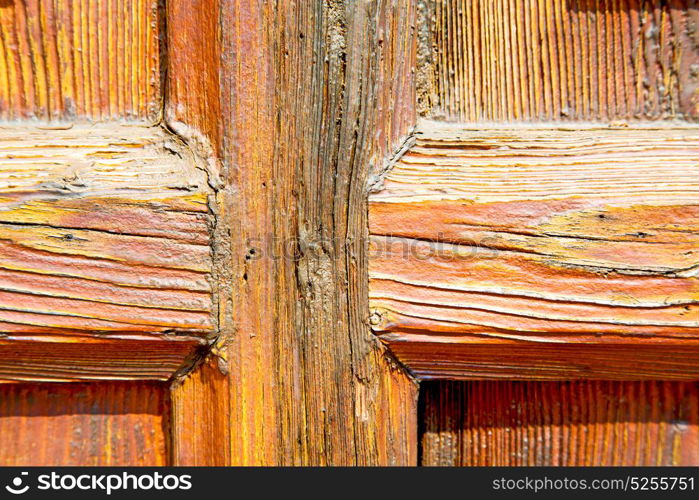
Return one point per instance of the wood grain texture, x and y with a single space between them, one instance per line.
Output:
612 357
312 95
70 59
511 60
194 42
507 238
200 408
591 423
94 356
96 424
103 230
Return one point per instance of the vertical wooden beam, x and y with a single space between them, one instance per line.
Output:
313 95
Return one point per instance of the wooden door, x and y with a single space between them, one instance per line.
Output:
105 269
354 233
536 242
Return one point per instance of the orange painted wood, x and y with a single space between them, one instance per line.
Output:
293 103
490 249
106 424
72 59
94 356
194 101
511 60
430 356
104 230
201 431
592 423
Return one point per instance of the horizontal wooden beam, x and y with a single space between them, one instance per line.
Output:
540 253
104 240
89 357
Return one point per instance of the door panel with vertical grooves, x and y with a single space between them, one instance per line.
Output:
68 59
511 60
116 424
592 423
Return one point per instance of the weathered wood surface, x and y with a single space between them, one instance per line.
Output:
95 424
194 100
93 356
311 95
71 59
456 357
200 429
506 243
560 423
506 60
103 230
